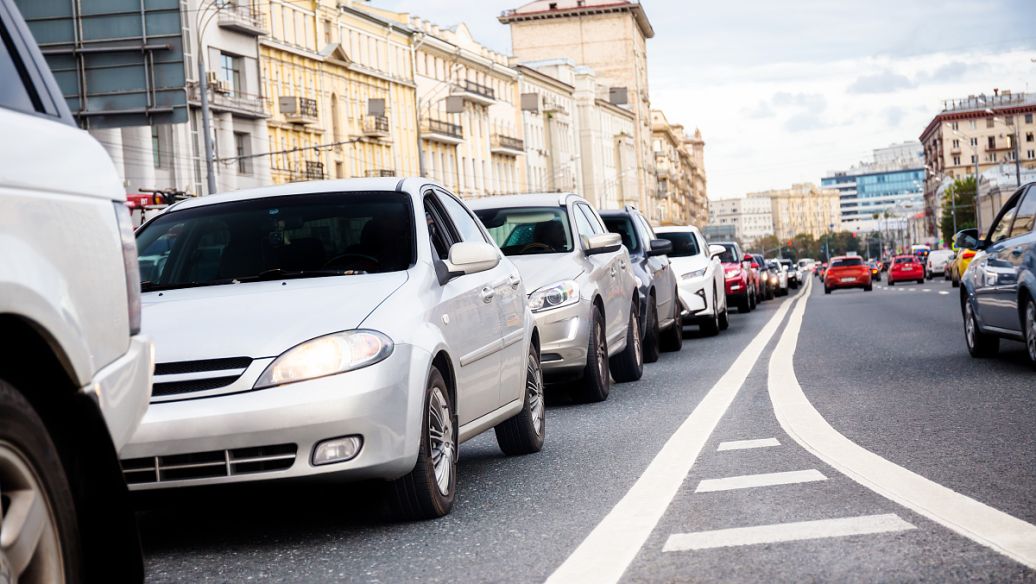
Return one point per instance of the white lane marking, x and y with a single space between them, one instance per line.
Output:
745 444
608 550
977 521
944 292
760 480
796 531
927 290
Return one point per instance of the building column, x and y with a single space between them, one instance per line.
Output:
139 158
226 173
111 140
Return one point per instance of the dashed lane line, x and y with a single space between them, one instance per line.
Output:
746 444
977 521
760 480
781 532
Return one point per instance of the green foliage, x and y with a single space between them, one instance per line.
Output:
961 193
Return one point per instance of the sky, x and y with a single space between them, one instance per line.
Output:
785 91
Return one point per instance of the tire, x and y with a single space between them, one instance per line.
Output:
710 326
1029 326
422 494
921 281
954 282
724 320
745 305
980 344
595 384
827 290
629 364
892 282
672 338
523 433
29 463
868 287
651 332
753 300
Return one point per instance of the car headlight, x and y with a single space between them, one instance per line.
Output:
554 296
694 274
327 355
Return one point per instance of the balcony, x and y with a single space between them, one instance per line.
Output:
506 145
242 17
312 171
474 92
379 173
236 102
441 131
376 126
299 110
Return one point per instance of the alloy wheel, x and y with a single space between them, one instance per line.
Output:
637 348
1030 329
441 439
534 393
602 351
969 325
30 550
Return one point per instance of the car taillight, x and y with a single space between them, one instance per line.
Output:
968 254
132 268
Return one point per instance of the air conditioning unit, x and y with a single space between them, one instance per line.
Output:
213 78
221 86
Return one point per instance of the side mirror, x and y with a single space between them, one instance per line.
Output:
755 265
660 247
472 257
716 250
603 243
966 239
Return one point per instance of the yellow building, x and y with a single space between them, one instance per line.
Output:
339 80
804 208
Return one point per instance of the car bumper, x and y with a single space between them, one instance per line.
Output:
693 295
382 404
854 283
736 289
564 338
122 389
905 276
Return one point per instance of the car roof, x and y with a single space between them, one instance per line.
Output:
399 184
525 200
677 229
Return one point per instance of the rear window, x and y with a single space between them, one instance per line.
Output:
528 230
684 244
846 262
906 260
624 227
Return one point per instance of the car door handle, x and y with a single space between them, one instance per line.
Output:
514 281
487 294
611 272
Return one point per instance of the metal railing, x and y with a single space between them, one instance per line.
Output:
509 142
313 170
443 127
231 99
376 124
243 15
379 172
476 88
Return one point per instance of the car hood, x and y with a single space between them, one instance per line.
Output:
688 264
543 269
260 319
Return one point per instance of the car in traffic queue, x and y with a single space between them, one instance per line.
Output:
738 278
998 290
821 270
345 329
875 268
965 244
905 268
793 272
807 264
75 370
779 277
757 265
847 272
581 288
660 310
936 263
700 276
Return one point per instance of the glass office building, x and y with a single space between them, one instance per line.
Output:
894 185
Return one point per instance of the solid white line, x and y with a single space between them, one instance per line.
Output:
977 521
927 290
608 550
760 480
797 531
744 444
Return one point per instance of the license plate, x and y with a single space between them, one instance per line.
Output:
848 279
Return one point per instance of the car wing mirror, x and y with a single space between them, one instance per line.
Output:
471 257
660 247
602 243
716 250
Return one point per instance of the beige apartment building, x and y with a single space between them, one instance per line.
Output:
699 210
549 119
803 208
679 167
751 217
992 131
610 37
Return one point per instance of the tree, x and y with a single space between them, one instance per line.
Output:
961 193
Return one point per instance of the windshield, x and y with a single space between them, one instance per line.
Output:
684 244
624 227
298 236
905 260
844 262
528 230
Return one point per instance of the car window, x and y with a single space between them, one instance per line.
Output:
16 92
729 256
438 229
648 231
466 225
528 230
684 244
624 227
583 225
906 260
846 262
591 217
1025 218
1002 229
273 237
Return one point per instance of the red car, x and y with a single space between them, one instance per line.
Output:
905 268
847 272
738 277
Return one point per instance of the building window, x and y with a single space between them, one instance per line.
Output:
327 31
956 144
243 150
990 122
974 159
1030 154
1028 118
991 142
1028 137
156 147
955 126
974 141
956 160
230 70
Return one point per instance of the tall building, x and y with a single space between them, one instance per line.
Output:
695 146
607 152
803 208
549 117
891 184
751 217
990 131
726 213
672 167
610 37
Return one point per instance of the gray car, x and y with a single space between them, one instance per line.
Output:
583 293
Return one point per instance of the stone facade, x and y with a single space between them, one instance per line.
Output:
803 208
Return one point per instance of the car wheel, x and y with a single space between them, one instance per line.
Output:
892 282
744 305
921 281
954 282
38 526
724 319
523 433
428 491
979 344
753 302
1030 330
629 364
672 338
595 383
651 332
710 326
827 290
868 287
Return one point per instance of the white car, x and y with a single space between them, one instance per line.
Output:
699 275
75 373
353 328
936 262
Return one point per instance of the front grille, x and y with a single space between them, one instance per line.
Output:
182 377
207 465
203 365
177 387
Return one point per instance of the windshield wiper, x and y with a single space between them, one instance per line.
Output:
149 286
279 274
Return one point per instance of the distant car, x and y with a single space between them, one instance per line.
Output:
998 295
847 272
75 370
936 262
700 274
758 266
782 278
905 268
738 277
965 242
875 267
347 329
821 270
807 264
792 271
582 290
660 310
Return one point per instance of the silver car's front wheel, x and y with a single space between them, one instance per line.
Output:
1030 330
30 550
440 439
523 433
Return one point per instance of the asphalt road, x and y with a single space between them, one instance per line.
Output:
887 369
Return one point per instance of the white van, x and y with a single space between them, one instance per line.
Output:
936 262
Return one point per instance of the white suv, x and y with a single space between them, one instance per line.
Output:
75 375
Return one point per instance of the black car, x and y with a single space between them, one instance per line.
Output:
659 309
998 291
